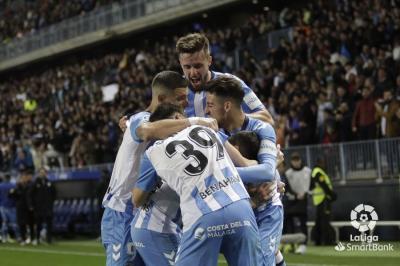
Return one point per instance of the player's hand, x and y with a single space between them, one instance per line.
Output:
122 123
280 157
265 191
207 122
281 187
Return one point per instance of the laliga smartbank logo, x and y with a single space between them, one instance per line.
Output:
363 218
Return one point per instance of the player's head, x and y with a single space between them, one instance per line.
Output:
224 95
195 59
247 142
167 111
170 87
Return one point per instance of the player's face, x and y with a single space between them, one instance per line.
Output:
179 97
178 116
196 68
215 108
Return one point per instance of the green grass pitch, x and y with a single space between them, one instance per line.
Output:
90 252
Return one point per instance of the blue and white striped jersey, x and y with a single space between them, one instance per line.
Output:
161 214
126 165
195 165
267 152
197 100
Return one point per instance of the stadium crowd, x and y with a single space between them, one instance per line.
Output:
20 18
338 79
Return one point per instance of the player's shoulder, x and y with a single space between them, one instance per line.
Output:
139 115
218 74
138 118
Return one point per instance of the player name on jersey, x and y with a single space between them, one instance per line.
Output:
218 186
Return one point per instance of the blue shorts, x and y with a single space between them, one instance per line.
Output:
156 249
270 224
231 230
116 238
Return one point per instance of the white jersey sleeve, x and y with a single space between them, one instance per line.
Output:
126 166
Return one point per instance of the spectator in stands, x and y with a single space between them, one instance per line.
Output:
42 195
323 105
343 119
386 111
364 121
297 188
397 88
382 83
23 159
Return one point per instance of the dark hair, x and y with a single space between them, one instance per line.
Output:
164 111
388 90
248 143
169 81
226 87
192 43
295 156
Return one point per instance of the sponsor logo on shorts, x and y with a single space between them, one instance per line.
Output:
225 229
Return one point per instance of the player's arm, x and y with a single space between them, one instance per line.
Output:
264 116
255 174
164 128
237 158
146 182
267 154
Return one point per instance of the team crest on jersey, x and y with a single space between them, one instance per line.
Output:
199 233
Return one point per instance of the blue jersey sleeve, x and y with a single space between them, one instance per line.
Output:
267 152
136 121
255 174
251 103
267 136
147 180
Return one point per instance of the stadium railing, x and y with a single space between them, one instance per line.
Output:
346 161
373 159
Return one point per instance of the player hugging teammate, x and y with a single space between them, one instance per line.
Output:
188 187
